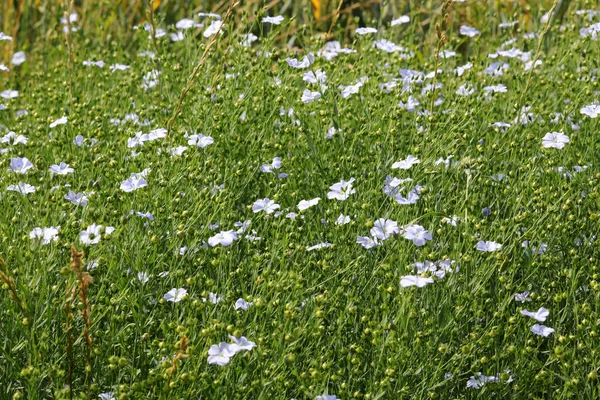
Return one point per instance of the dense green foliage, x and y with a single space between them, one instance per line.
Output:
335 319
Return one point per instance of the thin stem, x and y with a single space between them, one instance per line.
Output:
192 77
70 50
440 30
153 25
333 21
537 54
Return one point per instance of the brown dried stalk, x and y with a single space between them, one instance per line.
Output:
84 279
180 355
440 30
15 19
192 77
333 21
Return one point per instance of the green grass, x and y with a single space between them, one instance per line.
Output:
334 320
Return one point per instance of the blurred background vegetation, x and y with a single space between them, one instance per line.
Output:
37 22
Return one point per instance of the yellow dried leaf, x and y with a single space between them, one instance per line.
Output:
316 6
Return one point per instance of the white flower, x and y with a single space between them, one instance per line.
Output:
406 164
488 246
468 31
333 48
242 226
465 90
273 20
495 89
496 68
539 315
177 36
175 295
4 36
213 298
224 238
410 105
267 205
412 198
461 70
241 343
78 141
591 111
143 277
368 242
148 215
77 199
21 187
341 190
593 31
134 182
305 63
18 58
480 380
384 228
46 234
309 97
417 234
319 246
342 220
73 17
268 168
327 397
220 354
177 151
445 161
92 234
200 140
530 64
348 91
242 304
404 19
99 64
304 204
387 46
150 80
555 140
9 94
60 121
248 39
118 67
209 15
61 169
522 297
415 280
454 220
107 396
186 23
365 31
20 165
12 139
542 330
214 27
315 77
